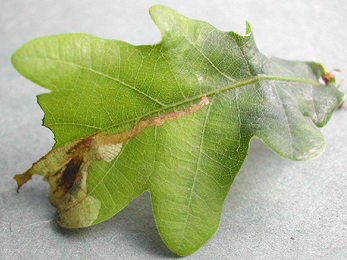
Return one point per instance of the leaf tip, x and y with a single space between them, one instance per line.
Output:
157 11
22 178
165 18
158 7
249 29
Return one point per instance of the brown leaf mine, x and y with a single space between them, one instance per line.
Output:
66 168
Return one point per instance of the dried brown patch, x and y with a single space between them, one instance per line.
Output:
329 76
69 174
66 168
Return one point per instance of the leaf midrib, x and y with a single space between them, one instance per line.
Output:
180 103
211 93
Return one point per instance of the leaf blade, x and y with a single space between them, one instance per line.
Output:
103 87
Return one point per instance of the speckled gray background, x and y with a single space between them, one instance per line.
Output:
277 209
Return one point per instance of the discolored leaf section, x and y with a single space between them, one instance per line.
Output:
59 167
317 102
78 209
67 167
116 182
66 171
273 115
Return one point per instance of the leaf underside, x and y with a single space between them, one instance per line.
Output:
174 118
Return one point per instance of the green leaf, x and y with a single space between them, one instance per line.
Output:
174 118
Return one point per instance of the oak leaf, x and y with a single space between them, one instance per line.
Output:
174 118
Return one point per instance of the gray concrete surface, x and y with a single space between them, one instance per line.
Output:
277 209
